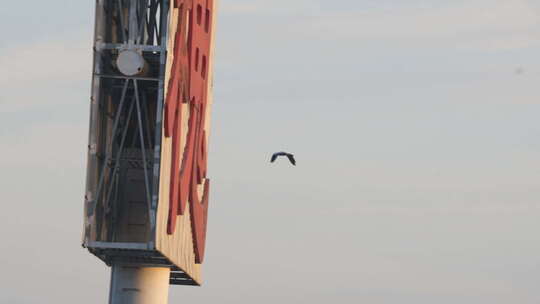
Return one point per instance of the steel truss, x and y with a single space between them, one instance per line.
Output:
126 113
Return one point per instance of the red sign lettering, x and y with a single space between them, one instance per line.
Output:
188 84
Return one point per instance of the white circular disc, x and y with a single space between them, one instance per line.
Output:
130 62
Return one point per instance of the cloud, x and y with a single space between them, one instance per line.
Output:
474 24
44 73
49 145
264 7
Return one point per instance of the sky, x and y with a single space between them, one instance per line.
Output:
414 125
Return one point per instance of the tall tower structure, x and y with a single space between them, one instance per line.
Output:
147 189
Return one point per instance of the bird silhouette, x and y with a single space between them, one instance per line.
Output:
289 156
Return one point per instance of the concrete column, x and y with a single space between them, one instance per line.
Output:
139 285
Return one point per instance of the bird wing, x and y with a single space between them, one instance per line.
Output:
291 159
274 156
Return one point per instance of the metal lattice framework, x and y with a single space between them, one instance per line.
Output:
129 137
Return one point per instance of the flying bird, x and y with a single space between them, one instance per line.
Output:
289 156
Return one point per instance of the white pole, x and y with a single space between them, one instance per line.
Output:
139 285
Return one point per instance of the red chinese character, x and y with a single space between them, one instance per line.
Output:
189 84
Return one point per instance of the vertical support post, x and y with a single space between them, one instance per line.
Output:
133 25
139 285
92 155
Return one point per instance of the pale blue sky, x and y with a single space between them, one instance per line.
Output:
414 123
